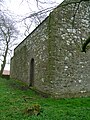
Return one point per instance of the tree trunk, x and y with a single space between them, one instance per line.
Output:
4 61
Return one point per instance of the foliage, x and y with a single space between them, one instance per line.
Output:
15 100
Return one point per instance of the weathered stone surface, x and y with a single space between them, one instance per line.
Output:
60 68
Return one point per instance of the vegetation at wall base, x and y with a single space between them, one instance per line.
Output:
22 103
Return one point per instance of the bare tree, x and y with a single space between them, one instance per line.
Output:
1 3
35 17
8 35
27 27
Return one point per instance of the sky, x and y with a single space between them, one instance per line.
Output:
21 8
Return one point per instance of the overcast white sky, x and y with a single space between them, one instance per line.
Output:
21 8
18 7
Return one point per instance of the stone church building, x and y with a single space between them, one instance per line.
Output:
50 59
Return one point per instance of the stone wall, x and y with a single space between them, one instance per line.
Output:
60 68
71 73
19 65
35 46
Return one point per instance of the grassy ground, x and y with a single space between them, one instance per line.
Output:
16 102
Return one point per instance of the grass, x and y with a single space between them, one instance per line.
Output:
17 99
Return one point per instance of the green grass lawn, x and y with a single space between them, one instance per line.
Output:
16 101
